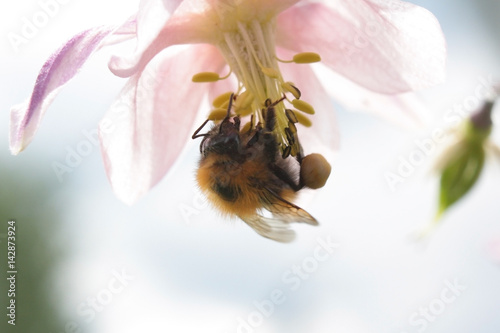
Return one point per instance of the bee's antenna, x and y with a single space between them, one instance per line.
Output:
229 106
196 135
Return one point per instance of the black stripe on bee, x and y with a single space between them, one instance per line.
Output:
227 192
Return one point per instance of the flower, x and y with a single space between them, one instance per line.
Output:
462 162
383 47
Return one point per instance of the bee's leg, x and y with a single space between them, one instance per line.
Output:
237 123
285 177
270 144
253 140
270 117
251 122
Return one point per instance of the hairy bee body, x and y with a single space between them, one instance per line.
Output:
238 182
242 173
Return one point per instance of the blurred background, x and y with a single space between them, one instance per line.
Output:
87 262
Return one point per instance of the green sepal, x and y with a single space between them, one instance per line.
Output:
460 174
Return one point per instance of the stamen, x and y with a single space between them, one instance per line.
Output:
225 105
291 88
243 103
250 52
209 77
302 58
303 120
286 152
303 106
306 58
244 100
221 99
289 136
217 114
244 112
270 72
291 116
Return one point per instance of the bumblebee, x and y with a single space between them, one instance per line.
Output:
243 172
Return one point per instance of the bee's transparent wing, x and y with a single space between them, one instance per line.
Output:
284 213
287 211
271 228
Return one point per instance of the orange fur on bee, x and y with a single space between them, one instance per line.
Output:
249 177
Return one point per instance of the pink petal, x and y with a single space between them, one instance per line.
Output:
406 110
145 130
264 8
55 73
388 47
125 32
161 26
324 130
192 22
223 86
151 17
170 5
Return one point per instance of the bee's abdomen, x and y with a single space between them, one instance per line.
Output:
229 192
234 188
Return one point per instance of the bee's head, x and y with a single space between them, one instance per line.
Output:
223 139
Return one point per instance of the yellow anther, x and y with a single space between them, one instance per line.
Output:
270 72
224 105
206 77
306 58
221 99
209 77
291 88
303 119
303 106
244 100
217 114
291 116
244 112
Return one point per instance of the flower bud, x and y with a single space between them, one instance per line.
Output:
460 173
463 162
